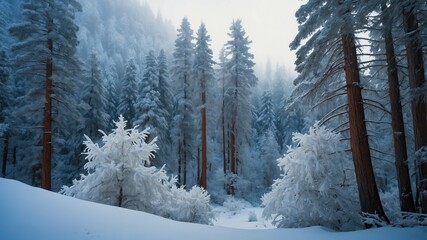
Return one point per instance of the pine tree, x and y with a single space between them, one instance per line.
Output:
45 57
269 153
128 95
113 98
266 115
184 84
318 20
94 95
148 97
5 99
166 105
203 71
417 82
240 79
398 128
119 174
313 188
4 77
149 113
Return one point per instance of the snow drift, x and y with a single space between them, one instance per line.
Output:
32 213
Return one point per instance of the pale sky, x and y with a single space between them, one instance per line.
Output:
270 24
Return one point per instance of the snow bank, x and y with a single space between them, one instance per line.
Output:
33 213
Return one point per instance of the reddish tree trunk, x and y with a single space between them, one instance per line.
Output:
400 150
368 192
414 54
47 121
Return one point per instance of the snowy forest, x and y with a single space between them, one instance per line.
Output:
106 101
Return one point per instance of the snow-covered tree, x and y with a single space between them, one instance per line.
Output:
119 174
240 79
5 99
327 54
166 104
269 153
94 95
203 73
266 114
128 95
149 112
113 167
147 103
416 59
316 187
4 79
184 113
47 69
112 90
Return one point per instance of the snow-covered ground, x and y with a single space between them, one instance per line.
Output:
241 215
32 213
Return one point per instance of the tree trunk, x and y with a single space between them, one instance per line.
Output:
233 147
179 163
5 153
224 150
199 180
204 143
400 150
414 54
234 131
47 119
184 163
368 192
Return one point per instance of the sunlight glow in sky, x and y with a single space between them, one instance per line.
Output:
270 24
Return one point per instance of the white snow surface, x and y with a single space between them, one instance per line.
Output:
32 213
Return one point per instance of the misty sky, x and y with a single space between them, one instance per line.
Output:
270 24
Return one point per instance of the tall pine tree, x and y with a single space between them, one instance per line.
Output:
203 71
128 95
44 58
164 154
318 24
239 81
94 95
184 113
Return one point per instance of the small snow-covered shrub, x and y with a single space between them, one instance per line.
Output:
235 204
192 206
252 217
314 188
391 204
118 174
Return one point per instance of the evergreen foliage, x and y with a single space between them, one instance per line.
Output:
94 95
203 73
119 174
316 186
184 119
166 104
44 21
129 92
239 80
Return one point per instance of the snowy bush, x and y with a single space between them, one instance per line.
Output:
314 188
118 174
252 217
192 206
391 203
233 204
